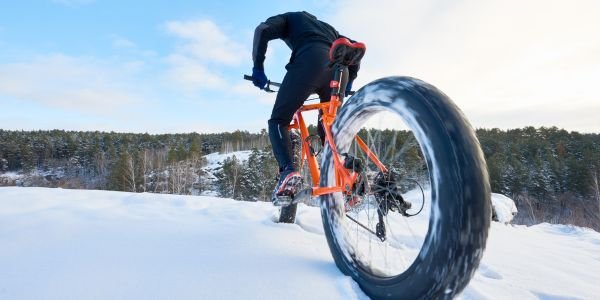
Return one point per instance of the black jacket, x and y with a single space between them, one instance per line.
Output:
299 30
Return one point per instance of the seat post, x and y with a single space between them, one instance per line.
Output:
337 95
337 83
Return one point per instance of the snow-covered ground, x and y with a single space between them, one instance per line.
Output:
74 244
215 159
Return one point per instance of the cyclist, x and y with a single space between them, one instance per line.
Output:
308 72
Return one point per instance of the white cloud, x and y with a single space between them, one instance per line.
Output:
190 75
122 43
204 51
248 91
205 41
488 55
69 83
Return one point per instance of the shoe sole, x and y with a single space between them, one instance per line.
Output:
285 196
290 181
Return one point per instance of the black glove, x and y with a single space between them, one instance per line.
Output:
259 78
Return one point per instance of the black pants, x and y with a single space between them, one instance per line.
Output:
307 73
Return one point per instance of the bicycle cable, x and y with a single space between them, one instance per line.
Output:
422 202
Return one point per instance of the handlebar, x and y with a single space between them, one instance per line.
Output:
269 84
277 84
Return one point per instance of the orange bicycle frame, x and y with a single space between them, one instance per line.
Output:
345 178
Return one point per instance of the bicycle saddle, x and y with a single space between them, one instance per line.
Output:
345 52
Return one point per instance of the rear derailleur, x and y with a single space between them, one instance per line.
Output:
388 195
389 198
385 189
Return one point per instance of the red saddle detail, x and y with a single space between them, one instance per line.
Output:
345 52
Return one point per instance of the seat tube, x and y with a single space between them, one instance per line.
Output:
336 89
336 83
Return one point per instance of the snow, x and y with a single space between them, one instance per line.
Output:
75 244
10 178
215 159
504 208
214 163
11 175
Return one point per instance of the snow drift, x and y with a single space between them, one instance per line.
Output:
504 209
74 244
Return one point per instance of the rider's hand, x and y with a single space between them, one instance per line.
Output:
259 78
348 88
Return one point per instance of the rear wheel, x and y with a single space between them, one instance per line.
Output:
288 214
418 133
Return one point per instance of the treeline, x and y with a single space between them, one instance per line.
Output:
552 174
165 163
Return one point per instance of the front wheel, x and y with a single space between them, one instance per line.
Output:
419 134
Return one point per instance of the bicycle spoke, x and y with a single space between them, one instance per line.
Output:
362 226
391 147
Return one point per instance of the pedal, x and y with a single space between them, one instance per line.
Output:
283 201
286 200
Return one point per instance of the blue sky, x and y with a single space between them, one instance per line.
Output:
68 55
176 66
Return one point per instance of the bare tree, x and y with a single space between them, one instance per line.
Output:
596 188
235 177
146 165
130 174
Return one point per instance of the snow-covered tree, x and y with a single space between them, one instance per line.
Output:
259 176
228 179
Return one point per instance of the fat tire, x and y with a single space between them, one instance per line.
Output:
460 190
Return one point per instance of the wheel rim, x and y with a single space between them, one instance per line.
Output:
405 237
